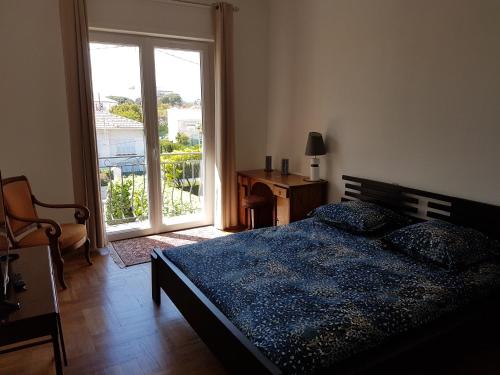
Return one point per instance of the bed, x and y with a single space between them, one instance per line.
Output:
310 298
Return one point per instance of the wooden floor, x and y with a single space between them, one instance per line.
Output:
111 327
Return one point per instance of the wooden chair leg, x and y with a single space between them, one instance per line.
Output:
59 262
87 252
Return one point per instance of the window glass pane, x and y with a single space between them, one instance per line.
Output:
116 81
180 129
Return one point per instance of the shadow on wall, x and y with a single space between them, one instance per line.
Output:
330 161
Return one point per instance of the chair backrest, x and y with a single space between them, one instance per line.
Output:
18 202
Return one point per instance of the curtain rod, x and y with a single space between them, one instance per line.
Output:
194 3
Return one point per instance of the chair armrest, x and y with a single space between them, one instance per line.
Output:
82 213
52 231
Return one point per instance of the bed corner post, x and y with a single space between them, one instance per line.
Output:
155 283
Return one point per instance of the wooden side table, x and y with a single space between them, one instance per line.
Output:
294 197
39 318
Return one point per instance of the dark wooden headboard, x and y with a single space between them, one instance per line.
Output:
425 205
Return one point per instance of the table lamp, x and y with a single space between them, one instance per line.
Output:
315 146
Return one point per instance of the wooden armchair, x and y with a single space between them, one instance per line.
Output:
20 208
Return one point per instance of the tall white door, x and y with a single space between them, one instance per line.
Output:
153 101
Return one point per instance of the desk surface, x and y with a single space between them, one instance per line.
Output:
275 177
40 298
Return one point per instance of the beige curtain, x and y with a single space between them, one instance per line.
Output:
75 38
226 198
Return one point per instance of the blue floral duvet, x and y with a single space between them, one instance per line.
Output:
309 295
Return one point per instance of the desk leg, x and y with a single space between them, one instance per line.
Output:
275 211
57 348
61 336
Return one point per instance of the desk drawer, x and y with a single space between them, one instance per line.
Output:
280 192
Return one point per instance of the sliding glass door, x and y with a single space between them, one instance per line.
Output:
154 125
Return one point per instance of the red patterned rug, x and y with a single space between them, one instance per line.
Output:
137 250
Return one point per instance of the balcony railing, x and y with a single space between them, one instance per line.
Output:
124 186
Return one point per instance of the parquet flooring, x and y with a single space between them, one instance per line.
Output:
112 327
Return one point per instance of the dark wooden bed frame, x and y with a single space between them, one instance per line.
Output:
239 355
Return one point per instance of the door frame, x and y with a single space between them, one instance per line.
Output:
146 45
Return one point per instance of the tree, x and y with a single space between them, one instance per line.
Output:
182 139
118 203
129 110
182 171
172 99
163 119
120 99
125 202
166 146
163 130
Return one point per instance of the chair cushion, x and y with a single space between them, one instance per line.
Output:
71 234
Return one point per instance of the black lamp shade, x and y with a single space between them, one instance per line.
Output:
315 145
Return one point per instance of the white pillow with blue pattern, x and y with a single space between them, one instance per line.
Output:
450 246
360 217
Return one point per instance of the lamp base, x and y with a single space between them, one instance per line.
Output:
314 170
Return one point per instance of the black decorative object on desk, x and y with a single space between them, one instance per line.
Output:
269 164
284 167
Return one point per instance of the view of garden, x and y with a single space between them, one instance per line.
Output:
123 177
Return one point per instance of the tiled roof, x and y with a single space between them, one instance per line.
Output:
106 120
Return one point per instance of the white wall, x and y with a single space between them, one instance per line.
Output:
405 91
34 136
251 82
160 17
116 141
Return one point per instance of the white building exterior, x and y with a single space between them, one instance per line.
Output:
120 137
104 105
117 135
187 121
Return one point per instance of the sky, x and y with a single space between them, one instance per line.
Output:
116 71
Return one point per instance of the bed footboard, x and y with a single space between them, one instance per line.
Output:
155 283
232 348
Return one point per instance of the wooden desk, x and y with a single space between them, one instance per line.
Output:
38 317
294 197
